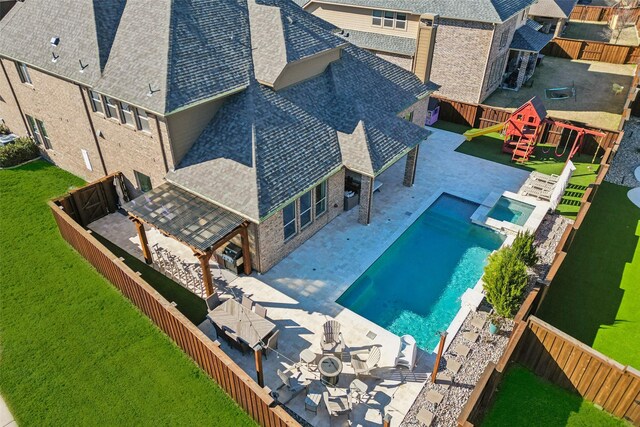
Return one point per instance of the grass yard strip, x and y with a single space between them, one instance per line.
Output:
189 304
74 350
489 147
524 399
595 295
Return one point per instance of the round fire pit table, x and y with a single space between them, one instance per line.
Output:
330 368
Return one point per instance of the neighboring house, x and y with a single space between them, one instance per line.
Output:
552 14
254 107
473 38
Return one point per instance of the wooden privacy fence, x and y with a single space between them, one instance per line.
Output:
601 13
565 362
91 202
592 51
255 400
481 116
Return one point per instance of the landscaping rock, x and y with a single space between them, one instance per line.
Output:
627 159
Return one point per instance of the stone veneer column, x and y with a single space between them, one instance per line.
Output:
410 167
522 72
366 200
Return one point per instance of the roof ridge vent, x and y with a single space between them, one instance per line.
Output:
55 41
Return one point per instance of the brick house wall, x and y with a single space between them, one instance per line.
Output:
60 104
269 234
498 56
419 110
9 112
460 58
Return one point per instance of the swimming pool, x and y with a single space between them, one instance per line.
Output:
512 211
415 286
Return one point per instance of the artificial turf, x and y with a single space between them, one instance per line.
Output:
595 296
524 400
74 350
489 147
189 304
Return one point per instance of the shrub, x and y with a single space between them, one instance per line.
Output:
505 279
524 249
19 151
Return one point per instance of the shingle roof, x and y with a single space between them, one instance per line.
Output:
86 30
526 38
380 42
468 10
553 8
265 147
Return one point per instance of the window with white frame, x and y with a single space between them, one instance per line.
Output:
143 120
305 209
126 114
112 107
144 182
96 102
289 220
376 18
45 136
23 72
389 19
34 129
321 198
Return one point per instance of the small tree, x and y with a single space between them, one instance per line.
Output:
505 279
524 248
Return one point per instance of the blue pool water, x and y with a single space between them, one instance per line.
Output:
511 211
415 286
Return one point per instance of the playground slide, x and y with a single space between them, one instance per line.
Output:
474 133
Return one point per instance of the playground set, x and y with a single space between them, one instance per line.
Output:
522 131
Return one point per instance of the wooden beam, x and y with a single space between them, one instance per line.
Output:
206 271
434 373
246 251
142 235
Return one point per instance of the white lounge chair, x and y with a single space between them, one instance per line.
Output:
364 361
332 341
293 384
338 405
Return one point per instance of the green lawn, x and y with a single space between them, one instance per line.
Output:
595 295
74 350
524 400
189 304
489 147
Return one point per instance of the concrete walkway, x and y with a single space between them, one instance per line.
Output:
6 419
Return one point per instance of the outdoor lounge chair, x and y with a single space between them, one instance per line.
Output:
537 193
293 384
338 405
364 361
542 177
332 341
247 302
272 343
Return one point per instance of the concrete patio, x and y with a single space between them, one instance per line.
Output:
300 292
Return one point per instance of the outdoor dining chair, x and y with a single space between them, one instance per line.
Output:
247 302
364 362
272 343
213 301
260 310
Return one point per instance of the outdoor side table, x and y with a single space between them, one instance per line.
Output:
307 356
330 368
314 397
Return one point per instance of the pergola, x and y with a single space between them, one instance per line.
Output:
199 224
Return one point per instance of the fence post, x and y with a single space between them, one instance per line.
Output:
257 353
386 421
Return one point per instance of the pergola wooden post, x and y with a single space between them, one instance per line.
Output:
257 353
204 259
246 254
146 252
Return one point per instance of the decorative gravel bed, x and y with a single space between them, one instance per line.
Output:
486 348
627 159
